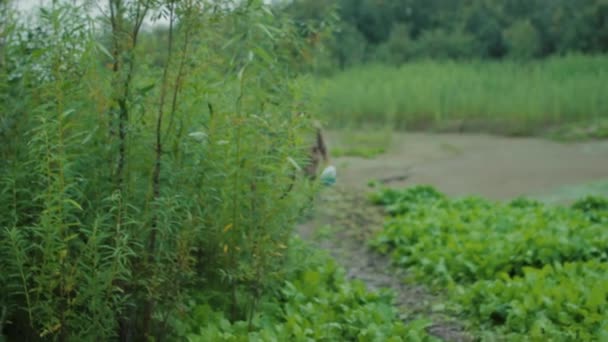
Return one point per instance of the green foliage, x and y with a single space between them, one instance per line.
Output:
398 48
501 97
591 204
561 302
523 233
141 166
315 303
523 40
360 144
443 44
352 47
524 270
316 22
399 31
399 202
595 208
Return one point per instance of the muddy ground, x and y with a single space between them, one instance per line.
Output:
490 166
498 168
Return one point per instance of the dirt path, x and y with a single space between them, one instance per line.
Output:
493 167
343 222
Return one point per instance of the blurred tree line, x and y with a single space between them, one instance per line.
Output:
396 31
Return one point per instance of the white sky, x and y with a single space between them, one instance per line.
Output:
29 6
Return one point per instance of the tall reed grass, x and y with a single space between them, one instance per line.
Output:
505 97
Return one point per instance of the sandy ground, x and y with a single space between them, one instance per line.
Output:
494 167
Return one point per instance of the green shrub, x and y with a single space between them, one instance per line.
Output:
143 165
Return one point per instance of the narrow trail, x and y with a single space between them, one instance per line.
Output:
494 167
343 222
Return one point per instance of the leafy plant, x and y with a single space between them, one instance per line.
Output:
522 269
565 302
315 303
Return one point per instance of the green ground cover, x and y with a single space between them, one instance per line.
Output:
520 270
315 303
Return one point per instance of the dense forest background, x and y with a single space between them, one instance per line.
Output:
399 31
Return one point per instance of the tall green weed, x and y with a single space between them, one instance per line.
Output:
140 167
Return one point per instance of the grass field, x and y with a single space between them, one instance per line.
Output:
501 97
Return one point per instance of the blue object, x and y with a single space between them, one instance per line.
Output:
328 176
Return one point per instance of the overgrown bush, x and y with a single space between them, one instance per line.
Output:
135 169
